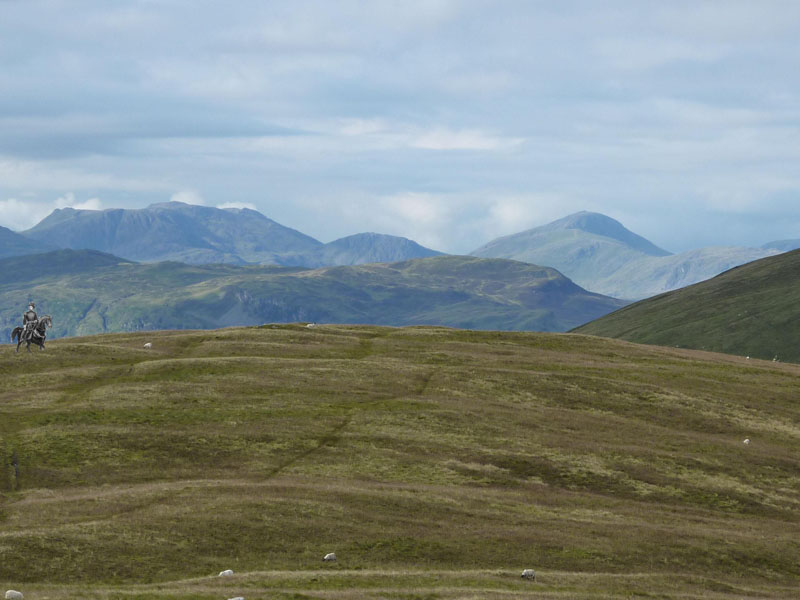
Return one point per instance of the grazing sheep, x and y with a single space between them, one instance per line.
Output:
148 345
310 325
529 574
330 556
237 598
746 441
226 573
13 595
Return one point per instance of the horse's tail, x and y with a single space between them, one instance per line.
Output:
15 335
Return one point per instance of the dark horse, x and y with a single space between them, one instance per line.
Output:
35 336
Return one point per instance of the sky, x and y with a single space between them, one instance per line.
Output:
450 122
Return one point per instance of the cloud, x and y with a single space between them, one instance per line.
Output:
249 205
446 120
188 197
445 139
23 214
68 200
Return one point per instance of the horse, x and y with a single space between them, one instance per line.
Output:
37 338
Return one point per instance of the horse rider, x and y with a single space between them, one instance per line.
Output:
29 320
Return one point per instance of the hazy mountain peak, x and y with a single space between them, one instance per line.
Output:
602 225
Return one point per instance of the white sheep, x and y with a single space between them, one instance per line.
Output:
330 556
237 598
746 441
226 573
14 595
311 325
148 345
529 574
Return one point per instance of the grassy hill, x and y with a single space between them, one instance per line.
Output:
750 311
88 292
436 463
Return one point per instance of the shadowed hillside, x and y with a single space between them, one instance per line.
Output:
434 462
89 292
751 310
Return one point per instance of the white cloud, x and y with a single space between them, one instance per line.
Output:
23 214
188 197
249 205
68 201
466 139
17 214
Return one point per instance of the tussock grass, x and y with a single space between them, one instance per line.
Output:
436 463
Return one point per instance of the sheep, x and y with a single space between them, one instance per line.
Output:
226 573
746 441
330 557
529 574
311 325
148 345
237 598
13 595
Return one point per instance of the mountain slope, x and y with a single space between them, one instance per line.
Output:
782 245
445 290
750 310
601 255
204 235
364 248
175 231
436 463
14 244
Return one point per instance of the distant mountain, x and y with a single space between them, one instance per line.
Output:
364 248
782 245
750 310
600 254
14 244
204 235
114 295
175 231
650 276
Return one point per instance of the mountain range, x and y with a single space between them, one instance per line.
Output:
595 251
750 311
90 292
600 254
203 235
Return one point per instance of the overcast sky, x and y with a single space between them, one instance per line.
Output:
450 122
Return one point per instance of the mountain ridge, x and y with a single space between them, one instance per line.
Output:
465 292
201 235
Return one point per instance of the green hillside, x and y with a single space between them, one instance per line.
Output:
88 292
435 463
751 310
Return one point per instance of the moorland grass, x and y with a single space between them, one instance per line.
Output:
436 463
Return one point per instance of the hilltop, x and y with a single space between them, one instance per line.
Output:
434 462
750 311
600 254
89 292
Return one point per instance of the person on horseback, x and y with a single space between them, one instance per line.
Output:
29 321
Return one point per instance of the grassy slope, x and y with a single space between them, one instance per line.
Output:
436 463
448 290
750 311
